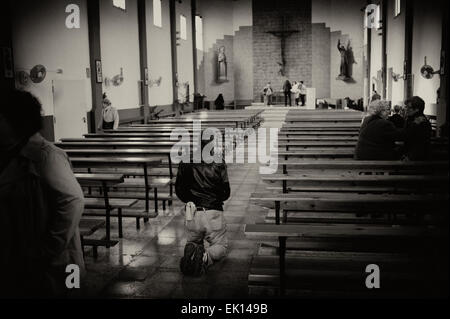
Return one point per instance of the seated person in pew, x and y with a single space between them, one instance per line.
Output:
417 131
378 135
110 116
41 204
396 118
204 187
219 102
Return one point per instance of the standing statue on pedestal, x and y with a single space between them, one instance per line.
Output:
221 65
347 61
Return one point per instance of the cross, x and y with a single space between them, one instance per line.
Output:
283 35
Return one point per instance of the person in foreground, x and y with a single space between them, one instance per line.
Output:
41 204
203 187
378 135
417 131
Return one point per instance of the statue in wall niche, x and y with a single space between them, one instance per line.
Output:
221 65
347 61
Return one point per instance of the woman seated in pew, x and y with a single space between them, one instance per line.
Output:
203 187
110 116
41 204
219 102
378 135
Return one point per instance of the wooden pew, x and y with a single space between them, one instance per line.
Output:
128 152
142 162
364 167
327 234
107 205
319 153
317 133
131 120
242 123
327 201
344 143
112 143
284 139
383 235
341 274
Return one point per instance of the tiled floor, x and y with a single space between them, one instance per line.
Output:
145 263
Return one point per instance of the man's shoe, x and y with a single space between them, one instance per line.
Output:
191 264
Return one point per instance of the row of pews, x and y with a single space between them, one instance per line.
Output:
331 218
128 173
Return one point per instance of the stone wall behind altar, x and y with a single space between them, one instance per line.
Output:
267 16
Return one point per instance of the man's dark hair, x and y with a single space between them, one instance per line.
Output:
416 103
22 111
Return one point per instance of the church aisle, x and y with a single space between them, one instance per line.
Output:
145 264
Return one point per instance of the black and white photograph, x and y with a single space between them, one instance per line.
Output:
198 151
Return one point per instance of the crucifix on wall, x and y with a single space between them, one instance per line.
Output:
283 35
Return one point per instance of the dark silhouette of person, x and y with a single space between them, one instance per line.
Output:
396 118
287 93
417 131
219 102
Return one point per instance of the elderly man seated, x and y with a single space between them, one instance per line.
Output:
378 135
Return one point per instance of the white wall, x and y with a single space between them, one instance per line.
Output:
119 39
185 60
376 62
396 50
217 20
242 14
339 15
41 37
159 55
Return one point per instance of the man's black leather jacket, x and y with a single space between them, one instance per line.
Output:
204 184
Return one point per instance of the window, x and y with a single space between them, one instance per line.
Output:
183 30
199 32
157 16
373 17
398 7
121 4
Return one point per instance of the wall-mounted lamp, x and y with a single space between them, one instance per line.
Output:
156 82
396 76
115 80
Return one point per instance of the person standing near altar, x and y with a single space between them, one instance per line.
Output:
302 92
268 92
287 92
296 91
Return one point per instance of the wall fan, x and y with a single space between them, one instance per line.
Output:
38 73
427 71
118 79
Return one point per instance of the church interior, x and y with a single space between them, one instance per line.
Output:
117 78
